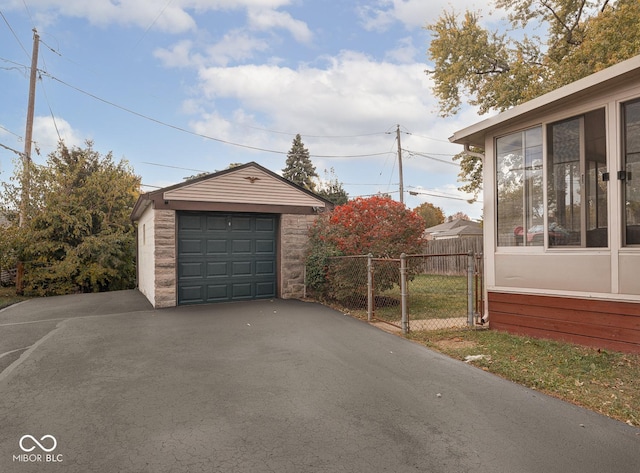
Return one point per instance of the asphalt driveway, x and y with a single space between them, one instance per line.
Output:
104 383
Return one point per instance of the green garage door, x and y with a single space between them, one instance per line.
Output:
226 257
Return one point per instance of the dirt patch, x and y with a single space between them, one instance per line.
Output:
454 344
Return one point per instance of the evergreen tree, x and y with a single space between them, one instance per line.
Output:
299 168
77 235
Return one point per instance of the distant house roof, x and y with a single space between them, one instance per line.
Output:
454 229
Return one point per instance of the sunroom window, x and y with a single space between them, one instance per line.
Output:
520 205
631 173
577 181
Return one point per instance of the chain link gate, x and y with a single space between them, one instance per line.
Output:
414 292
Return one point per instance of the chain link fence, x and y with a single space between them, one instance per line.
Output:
414 292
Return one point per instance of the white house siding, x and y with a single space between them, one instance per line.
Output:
629 273
165 258
581 294
570 273
607 273
146 263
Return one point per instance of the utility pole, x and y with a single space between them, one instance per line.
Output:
26 155
400 165
28 134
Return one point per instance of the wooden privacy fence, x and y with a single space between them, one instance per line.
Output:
454 246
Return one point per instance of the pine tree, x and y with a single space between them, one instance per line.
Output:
77 236
299 168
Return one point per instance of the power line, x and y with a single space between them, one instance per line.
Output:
14 34
153 23
439 195
430 157
430 138
305 135
172 167
20 138
200 135
19 153
20 66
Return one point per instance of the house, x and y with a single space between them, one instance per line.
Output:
238 234
562 211
457 228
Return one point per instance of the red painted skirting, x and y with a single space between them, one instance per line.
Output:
601 324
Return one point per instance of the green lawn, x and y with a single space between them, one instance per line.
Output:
604 381
437 297
430 297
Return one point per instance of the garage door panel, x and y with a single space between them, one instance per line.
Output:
241 247
241 268
217 247
190 294
216 269
217 223
217 292
265 246
191 223
226 257
265 268
265 289
191 270
242 291
191 246
241 224
265 224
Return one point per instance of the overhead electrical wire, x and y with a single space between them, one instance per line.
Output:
200 135
173 167
153 23
415 153
14 34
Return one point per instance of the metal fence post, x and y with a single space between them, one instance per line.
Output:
369 287
470 270
403 293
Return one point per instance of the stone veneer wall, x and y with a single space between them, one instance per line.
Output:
294 231
165 258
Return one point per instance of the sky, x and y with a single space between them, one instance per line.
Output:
179 87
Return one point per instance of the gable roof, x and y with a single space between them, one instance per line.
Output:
626 72
246 185
450 226
455 228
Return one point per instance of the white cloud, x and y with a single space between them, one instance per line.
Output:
169 16
351 91
142 13
235 46
47 133
405 52
380 15
179 55
265 19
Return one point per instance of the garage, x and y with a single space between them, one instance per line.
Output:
233 235
226 257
